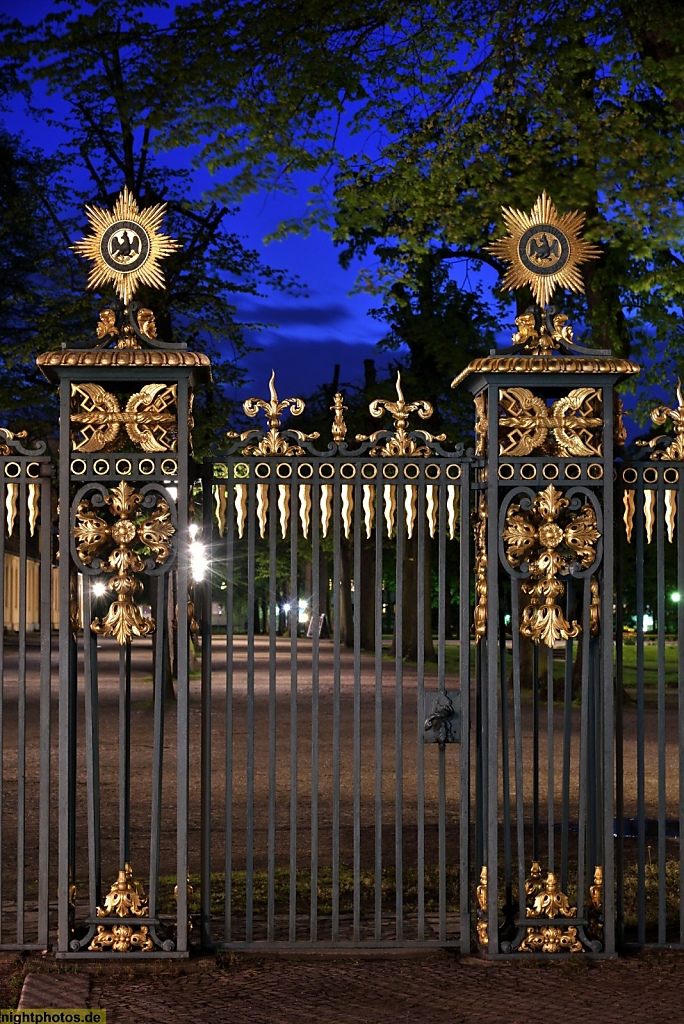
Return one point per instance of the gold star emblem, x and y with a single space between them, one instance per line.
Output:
543 249
126 246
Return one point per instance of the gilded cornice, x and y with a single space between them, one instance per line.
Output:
133 358
546 364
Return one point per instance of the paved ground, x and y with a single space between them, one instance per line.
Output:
379 989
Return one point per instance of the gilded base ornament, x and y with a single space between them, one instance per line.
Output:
481 895
549 537
124 899
547 900
119 548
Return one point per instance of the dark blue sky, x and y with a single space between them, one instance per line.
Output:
312 332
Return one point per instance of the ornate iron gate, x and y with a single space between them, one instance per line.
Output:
317 777
335 776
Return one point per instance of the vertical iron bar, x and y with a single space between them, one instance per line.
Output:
230 603
294 622
378 711
316 601
249 822
21 716
3 492
619 736
640 737
567 747
586 780
273 620
518 734
160 640
337 578
464 665
662 753
45 548
422 585
358 599
399 716
505 766
124 754
203 589
680 692
92 747
550 777
535 753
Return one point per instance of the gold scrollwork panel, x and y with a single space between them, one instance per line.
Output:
570 427
149 419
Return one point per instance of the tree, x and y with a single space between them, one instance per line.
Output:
422 120
98 62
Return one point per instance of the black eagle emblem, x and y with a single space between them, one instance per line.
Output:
544 249
126 246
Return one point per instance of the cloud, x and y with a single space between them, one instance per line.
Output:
304 313
301 366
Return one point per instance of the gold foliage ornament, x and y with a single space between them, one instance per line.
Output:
543 250
549 537
124 899
120 548
126 246
675 450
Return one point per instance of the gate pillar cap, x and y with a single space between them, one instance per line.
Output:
50 363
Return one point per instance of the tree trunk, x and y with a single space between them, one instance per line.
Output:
415 575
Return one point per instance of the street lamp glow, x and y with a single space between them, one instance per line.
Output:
198 561
675 597
99 589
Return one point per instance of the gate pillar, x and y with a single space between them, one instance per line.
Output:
547 422
124 484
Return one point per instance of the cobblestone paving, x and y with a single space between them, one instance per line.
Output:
438 988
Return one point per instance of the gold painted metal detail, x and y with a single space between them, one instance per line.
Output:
326 501
481 424
339 427
628 514
262 508
401 443
305 508
570 427
595 908
390 498
347 508
545 899
150 418
594 608
11 506
126 246
125 334
553 333
368 508
481 896
555 364
431 507
619 428
124 357
240 508
480 531
221 506
452 509
125 899
670 513
659 415
33 507
273 442
119 547
649 513
543 249
8 435
549 538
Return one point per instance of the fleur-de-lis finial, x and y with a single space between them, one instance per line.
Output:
273 408
339 427
401 443
273 442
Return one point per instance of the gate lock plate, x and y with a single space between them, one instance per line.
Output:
443 717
